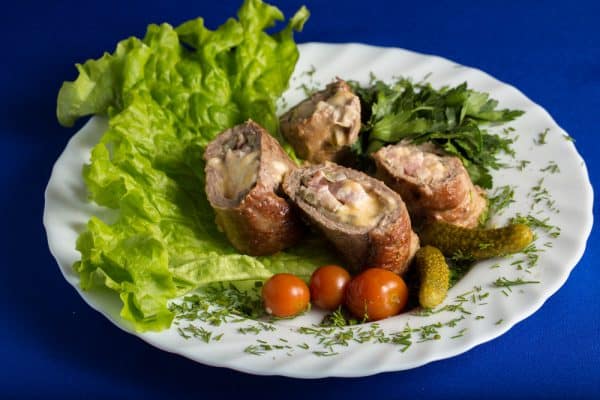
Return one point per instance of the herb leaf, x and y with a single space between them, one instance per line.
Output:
449 117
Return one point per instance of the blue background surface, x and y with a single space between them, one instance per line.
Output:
52 345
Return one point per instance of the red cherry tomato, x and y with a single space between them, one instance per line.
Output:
376 293
327 286
285 295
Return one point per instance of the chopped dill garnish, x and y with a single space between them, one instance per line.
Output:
325 353
532 254
499 200
541 138
257 328
552 168
460 333
402 338
254 350
508 284
312 86
249 329
309 90
522 164
474 296
197 332
534 222
183 334
341 317
541 195
429 332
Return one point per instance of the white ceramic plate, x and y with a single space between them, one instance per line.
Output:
489 311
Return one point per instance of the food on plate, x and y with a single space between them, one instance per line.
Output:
366 221
375 294
244 169
325 125
435 186
328 285
476 244
452 117
434 276
285 295
166 96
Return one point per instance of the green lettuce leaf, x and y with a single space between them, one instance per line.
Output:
166 96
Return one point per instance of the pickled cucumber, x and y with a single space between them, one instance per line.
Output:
434 276
476 244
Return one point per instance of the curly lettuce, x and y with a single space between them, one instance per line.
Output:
166 96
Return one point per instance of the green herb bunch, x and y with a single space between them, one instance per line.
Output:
451 117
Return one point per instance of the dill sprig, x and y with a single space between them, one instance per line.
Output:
312 86
540 195
552 168
503 282
541 137
500 199
537 223
475 296
522 164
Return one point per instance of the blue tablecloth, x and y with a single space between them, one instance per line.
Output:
54 346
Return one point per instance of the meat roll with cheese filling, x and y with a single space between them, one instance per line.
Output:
435 186
244 170
324 126
364 219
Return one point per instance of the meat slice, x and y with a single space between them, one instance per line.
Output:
434 186
365 220
244 170
325 125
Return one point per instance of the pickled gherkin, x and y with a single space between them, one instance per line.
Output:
476 244
434 276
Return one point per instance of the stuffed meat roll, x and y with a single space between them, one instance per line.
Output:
435 187
324 126
244 169
365 220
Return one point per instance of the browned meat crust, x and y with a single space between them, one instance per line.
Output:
259 222
389 244
324 126
452 197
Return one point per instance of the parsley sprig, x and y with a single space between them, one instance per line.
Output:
450 116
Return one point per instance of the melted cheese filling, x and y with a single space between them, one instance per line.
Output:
342 116
425 167
238 170
279 169
347 200
365 210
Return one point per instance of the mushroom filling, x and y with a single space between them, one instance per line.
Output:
425 167
340 113
238 165
343 116
344 199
